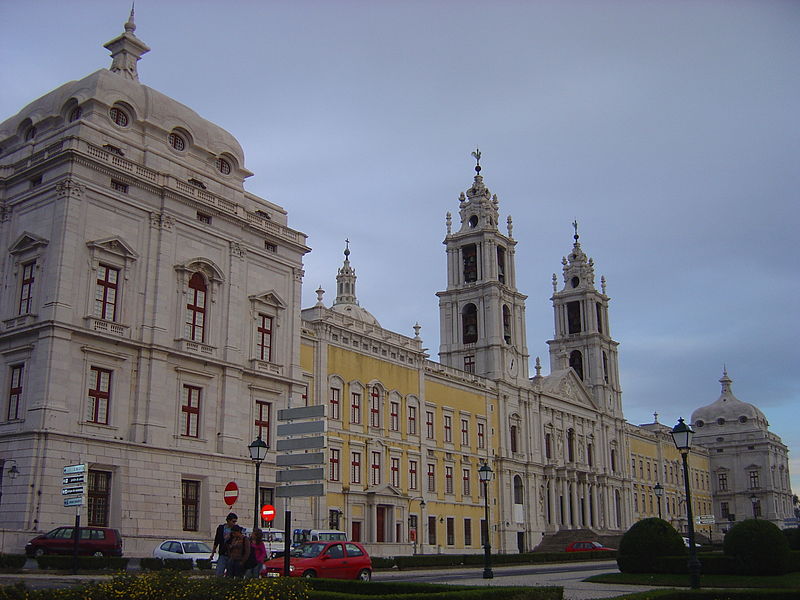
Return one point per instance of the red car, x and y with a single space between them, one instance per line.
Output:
94 541
587 547
331 560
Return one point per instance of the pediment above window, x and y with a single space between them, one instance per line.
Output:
114 245
203 265
27 242
271 298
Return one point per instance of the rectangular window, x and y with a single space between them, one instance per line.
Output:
15 392
376 468
464 432
513 438
119 186
481 436
469 254
431 477
375 408
548 445
105 293
412 474
335 401
394 416
574 317
412 420
98 497
395 472
429 424
204 218
448 480
190 411
590 457
355 408
355 467
468 532
723 482
99 395
26 288
195 325
469 363
333 473
448 428
431 530
451 531
466 486
725 510
753 479
264 338
190 499
262 422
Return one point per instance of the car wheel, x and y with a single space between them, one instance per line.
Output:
309 574
39 552
365 575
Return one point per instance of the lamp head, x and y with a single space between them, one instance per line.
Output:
682 436
485 472
659 490
258 450
13 472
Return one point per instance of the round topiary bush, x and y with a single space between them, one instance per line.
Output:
645 543
759 548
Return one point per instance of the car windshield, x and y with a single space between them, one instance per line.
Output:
308 550
196 547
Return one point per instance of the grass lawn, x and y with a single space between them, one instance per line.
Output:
791 580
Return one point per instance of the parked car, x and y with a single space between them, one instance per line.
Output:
184 549
331 560
317 535
686 543
587 547
92 541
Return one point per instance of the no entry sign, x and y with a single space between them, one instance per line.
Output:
231 494
268 512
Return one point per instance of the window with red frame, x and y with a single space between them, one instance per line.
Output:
412 474
464 432
99 395
264 338
429 424
448 428
448 480
467 487
336 394
190 411
481 435
26 288
394 416
333 471
355 408
376 468
412 420
190 503
431 477
15 392
355 467
98 498
375 407
263 416
395 472
194 328
105 293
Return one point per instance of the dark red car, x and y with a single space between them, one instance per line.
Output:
587 547
94 541
331 560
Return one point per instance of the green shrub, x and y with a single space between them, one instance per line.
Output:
179 564
645 544
379 562
204 564
12 561
85 563
793 537
758 547
337 589
151 564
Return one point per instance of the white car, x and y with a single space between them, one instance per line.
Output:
183 549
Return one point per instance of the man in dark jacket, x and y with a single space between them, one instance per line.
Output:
221 538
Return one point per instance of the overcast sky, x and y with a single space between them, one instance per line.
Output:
670 130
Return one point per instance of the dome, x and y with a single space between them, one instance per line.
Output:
727 409
356 312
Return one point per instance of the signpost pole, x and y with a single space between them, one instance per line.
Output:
287 540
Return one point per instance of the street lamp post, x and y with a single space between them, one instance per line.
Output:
485 475
659 491
682 436
754 502
258 452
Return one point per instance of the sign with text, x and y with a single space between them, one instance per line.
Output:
72 469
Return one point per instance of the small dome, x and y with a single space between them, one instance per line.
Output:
356 312
726 410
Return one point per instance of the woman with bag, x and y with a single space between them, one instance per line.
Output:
238 552
258 553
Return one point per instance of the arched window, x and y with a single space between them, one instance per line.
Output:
506 324
469 324
605 366
194 326
469 256
501 264
517 489
576 362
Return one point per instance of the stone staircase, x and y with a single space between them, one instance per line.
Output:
556 542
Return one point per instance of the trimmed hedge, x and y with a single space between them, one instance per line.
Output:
12 561
337 589
645 545
712 595
793 537
204 564
179 564
452 560
758 547
85 563
151 563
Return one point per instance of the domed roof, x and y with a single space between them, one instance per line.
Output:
356 312
727 409
346 302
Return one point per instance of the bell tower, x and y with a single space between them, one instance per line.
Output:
481 314
582 330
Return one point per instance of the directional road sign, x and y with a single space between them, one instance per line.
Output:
302 412
303 490
300 475
68 491
231 494
72 469
73 501
308 443
308 458
73 479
